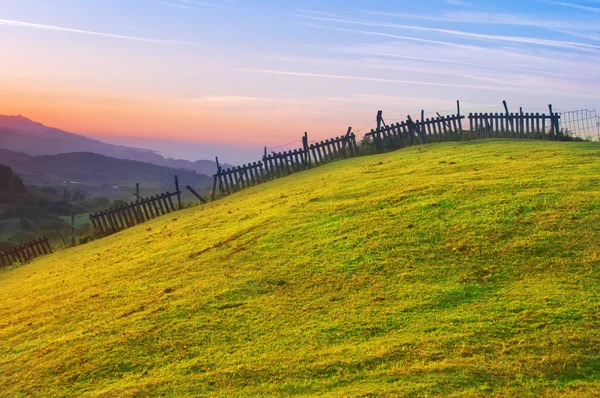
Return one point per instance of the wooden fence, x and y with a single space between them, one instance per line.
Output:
481 125
126 216
336 148
275 165
409 132
26 252
515 125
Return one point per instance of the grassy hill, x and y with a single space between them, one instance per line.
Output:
457 269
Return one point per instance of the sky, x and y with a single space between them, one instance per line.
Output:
193 77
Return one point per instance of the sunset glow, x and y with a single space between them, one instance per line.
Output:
262 72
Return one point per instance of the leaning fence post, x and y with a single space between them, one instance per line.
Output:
178 192
196 194
60 233
508 119
346 138
220 177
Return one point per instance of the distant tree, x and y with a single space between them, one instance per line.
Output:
66 194
10 183
78 197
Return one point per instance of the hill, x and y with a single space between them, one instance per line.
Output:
20 134
456 269
91 168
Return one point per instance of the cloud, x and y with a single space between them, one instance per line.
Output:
461 61
368 79
494 18
89 32
470 35
524 84
571 5
459 3
175 5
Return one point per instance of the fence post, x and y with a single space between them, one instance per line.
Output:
220 177
553 131
178 192
60 233
508 119
266 164
196 194
378 134
346 138
307 160
422 127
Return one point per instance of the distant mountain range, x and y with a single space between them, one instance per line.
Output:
20 134
91 168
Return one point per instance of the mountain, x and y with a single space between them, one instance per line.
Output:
459 269
20 134
92 168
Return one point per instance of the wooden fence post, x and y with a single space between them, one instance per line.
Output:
306 160
508 119
178 192
196 194
220 177
60 234
553 132
378 133
422 126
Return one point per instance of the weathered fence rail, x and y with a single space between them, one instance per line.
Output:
481 125
26 252
281 164
126 216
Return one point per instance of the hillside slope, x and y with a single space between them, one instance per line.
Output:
450 269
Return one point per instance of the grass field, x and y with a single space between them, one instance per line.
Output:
457 269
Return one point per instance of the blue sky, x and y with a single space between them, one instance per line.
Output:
252 73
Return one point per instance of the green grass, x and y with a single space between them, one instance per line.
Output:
456 269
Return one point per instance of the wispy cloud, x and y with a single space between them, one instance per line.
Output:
363 78
471 35
459 3
191 4
182 6
31 25
459 61
572 5
494 18
519 86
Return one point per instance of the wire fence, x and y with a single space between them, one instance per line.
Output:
583 123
